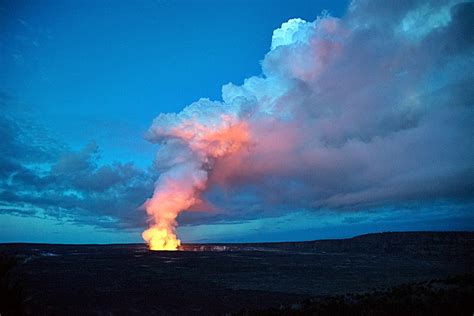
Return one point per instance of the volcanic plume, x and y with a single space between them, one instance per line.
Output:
334 121
196 143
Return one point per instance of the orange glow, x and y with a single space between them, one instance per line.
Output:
214 141
160 239
227 141
179 188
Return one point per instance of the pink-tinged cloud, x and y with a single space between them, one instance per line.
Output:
370 109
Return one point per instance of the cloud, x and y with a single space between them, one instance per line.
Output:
41 177
368 110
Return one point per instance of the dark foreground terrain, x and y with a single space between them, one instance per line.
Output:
375 274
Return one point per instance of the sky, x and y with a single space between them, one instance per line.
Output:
357 118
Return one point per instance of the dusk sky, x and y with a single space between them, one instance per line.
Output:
295 120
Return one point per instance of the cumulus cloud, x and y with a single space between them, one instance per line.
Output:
371 109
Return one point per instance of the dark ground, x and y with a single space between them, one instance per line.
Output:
277 277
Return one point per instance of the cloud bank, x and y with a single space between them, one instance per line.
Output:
41 177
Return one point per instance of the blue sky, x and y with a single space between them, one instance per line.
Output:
81 82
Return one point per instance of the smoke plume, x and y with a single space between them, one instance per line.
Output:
192 141
369 109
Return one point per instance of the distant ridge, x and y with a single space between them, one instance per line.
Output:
419 243
434 243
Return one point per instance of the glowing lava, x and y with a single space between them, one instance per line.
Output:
161 239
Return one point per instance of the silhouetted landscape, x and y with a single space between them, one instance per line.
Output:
375 274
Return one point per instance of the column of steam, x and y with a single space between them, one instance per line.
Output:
180 187
176 190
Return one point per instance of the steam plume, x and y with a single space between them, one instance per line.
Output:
196 139
372 108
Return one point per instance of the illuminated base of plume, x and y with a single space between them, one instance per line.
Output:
161 239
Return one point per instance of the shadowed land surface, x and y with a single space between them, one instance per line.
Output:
221 278
449 296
